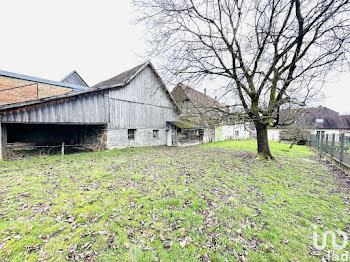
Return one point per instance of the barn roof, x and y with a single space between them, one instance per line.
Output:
127 77
122 78
42 80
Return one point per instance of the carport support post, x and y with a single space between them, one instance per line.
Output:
326 146
3 141
342 147
62 150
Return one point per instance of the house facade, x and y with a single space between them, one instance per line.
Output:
317 120
234 132
206 111
131 109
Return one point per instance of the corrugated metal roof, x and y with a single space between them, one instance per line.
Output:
42 80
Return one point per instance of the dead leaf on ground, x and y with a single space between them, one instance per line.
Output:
183 243
69 219
33 248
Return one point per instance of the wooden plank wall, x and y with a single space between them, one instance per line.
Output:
74 79
92 108
143 103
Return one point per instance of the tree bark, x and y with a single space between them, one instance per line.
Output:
263 142
292 144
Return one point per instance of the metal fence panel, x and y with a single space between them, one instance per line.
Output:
338 146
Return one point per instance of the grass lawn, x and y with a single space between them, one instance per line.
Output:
211 202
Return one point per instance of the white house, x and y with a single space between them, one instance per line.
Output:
235 132
318 120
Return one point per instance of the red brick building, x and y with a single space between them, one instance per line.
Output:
16 88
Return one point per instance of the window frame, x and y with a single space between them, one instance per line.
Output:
131 134
155 133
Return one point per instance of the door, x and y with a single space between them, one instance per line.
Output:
168 138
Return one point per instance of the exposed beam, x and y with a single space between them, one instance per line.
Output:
3 141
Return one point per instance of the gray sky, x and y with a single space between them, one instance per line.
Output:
49 39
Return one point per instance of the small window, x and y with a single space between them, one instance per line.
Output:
155 134
319 133
131 134
237 133
319 120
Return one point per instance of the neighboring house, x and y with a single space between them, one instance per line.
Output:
15 88
235 132
206 111
317 120
198 107
128 110
274 133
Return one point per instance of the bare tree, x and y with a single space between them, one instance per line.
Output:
296 132
271 53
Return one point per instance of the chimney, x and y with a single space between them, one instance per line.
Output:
205 91
216 97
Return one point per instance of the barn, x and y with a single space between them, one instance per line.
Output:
131 109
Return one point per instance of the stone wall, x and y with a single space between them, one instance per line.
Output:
118 138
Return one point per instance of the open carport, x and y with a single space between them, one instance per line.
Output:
48 137
77 120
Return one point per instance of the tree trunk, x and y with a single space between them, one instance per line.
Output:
263 142
292 144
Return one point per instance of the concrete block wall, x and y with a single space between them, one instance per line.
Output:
118 138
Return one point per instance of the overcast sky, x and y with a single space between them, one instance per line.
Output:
49 39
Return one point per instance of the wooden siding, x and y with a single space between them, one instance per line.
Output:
87 109
74 79
143 103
